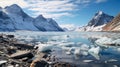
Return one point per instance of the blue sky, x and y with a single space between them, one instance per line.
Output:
66 12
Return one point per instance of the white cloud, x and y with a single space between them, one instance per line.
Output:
100 1
83 1
53 8
21 3
50 8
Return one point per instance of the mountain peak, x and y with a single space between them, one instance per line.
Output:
13 8
40 16
14 5
100 18
100 12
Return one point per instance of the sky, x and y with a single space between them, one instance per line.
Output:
68 13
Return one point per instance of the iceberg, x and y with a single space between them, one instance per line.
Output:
94 51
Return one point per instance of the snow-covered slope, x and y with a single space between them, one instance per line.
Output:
99 20
17 19
46 24
90 28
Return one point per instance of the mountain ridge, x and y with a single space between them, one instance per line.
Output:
19 20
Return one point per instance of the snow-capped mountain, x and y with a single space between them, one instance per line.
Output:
44 24
99 20
14 18
114 25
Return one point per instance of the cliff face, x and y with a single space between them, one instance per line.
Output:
114 25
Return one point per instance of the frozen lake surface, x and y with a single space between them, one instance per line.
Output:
84 49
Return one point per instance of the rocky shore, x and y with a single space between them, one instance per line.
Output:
16 54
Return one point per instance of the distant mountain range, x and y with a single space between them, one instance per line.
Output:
14 18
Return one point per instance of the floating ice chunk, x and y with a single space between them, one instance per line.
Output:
104 41
84 47
87 61
68 52
85 53
117 41
77 51
118 49
115 66
44 47
112 60
94 51
107 41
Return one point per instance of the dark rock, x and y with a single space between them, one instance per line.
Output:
11 50
24 46
62 65
41 63
10 36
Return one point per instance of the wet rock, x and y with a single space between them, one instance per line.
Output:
11 50
41 63
61 65
21 54
10 36
24 46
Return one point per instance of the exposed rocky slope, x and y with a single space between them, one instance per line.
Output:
114 25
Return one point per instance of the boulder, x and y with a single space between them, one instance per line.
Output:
21 54
23 46
10 36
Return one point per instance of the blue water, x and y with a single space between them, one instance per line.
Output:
107 56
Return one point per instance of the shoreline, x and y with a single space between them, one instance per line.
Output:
15 54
